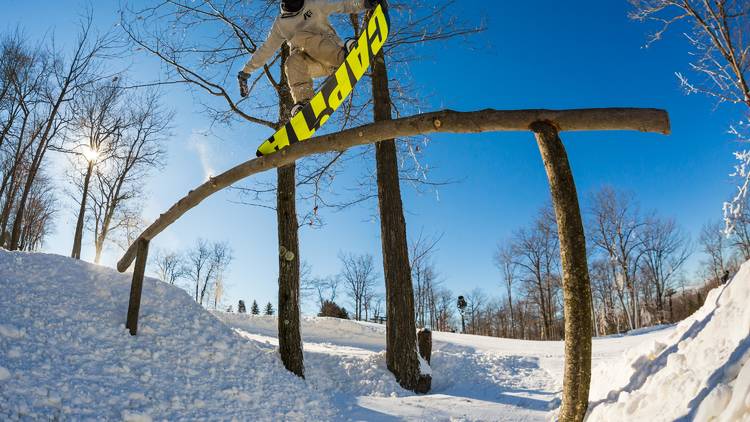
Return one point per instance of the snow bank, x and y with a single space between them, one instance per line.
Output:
65 353
701 371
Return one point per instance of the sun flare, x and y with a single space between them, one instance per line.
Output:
90 154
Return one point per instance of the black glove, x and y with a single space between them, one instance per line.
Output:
370 4
242 77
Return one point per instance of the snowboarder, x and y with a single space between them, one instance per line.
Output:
725 277
316 49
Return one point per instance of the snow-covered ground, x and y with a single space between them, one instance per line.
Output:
699 371
65 354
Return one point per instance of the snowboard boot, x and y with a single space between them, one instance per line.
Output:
349 45
297 108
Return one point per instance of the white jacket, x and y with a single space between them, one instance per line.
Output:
311 20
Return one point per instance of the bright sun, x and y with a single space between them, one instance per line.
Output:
90 154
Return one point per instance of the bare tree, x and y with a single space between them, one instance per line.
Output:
606 317
720 39
324 288
24 76
170 266
425 277
97 121
118 186
198 266
476 301
507 263
664 248
615 224
445 304
739 237
38 220
207 263
359 277
717 249
535 250
221 257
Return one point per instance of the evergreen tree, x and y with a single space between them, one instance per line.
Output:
255 310
269 309
329 308
241 307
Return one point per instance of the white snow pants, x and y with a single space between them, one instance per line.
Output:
312 56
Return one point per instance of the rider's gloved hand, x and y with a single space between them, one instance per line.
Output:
242 77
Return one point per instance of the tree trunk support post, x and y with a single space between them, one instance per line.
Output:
136 287
575 277
424 339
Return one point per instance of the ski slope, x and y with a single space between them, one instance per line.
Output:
65 354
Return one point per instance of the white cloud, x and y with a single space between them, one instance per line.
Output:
199 144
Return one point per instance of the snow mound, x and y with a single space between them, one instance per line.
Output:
701 371
65 353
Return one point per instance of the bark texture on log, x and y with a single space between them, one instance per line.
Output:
290 338
401 339
575 277
646 120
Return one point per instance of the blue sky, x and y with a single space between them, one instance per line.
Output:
534 54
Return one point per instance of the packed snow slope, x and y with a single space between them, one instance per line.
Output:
700 371
65 354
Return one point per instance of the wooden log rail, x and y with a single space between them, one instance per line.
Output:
447 121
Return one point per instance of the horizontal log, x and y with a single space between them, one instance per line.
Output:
446 121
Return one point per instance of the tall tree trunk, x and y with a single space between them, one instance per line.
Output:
197 283
78 237
14 184
290 339
98 248
7 208
576 284
401 330
15 235
109 214
510 310
594 321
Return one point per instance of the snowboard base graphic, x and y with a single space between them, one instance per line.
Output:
336 88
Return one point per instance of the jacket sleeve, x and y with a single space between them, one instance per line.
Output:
342 6
265 51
